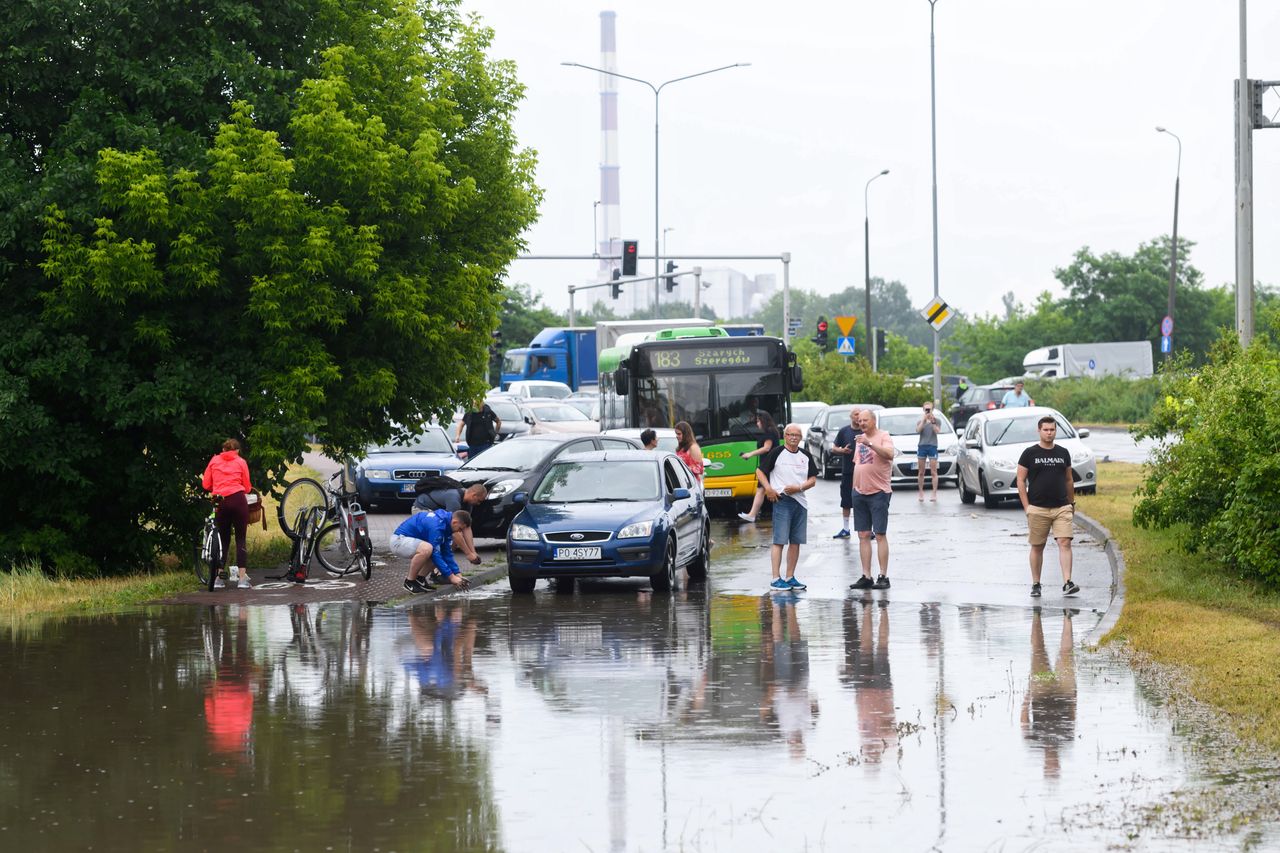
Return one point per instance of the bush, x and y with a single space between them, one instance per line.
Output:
1216 479
833 379
1105 400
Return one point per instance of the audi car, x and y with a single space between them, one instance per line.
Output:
385 475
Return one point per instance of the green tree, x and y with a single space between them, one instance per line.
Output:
989 347
523 316
294 225
902 356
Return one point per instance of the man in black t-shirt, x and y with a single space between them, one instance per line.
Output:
843 445
1047 490
482 427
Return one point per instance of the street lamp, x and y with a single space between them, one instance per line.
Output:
657 90
1173 254
933 125
664 237
595 224
866 254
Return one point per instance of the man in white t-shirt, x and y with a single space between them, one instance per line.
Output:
785 474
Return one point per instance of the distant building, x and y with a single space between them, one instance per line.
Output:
727 292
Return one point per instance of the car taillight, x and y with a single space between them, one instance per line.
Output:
991 404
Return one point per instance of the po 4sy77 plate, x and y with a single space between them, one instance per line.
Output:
718 493
577 553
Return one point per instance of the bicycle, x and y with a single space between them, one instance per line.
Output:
342 545
208 557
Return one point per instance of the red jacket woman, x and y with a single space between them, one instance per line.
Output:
227 478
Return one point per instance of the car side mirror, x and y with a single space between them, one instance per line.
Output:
528 419
680 494
972 442
520 498
1083 433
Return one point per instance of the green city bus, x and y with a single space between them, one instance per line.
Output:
715 382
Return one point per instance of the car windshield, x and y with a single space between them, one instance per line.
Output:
432 441
804 413
557 412
505 410
582 404
587 482
516 454
905 424
1022 430
557 391
835 420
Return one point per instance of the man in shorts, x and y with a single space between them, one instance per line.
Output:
843 447
1046 487
786 472
427 536
872 489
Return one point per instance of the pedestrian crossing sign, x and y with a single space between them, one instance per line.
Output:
844 346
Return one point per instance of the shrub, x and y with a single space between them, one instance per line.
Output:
1106 399
833 379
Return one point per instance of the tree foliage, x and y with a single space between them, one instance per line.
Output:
294 225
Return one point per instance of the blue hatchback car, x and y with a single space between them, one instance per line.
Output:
611 513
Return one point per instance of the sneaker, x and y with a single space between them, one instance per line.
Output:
746 518
863 582
1070 588
219 583
234 572
244 583
882 582
795 583
843 534
779 583
1035 590
416 585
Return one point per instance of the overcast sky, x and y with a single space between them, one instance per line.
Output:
1046 139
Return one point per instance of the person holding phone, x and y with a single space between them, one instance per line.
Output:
927 450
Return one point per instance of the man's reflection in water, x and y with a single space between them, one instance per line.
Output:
866 670
1049 708
228 697
784 671
444 640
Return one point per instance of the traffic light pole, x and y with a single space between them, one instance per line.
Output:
696 272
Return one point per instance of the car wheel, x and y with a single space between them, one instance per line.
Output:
988 499
966 496
564 585
664 580
521 585
701 564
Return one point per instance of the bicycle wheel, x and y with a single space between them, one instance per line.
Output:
208 557
299 496
334 550
364 550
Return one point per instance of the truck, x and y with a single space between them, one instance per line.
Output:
1113 358
570 354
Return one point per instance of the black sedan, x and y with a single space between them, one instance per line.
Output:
517 465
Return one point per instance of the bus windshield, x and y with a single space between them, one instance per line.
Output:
714 404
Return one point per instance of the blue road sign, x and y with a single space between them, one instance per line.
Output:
1166 343
1093 364
844 346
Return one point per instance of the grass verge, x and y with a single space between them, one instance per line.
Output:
1187 611
27 593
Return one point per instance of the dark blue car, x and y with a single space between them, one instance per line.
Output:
611 513
384 477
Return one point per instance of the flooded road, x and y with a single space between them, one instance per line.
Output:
945 713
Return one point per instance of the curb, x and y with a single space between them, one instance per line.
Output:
407 600
1116 560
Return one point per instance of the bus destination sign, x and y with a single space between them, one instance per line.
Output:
719 357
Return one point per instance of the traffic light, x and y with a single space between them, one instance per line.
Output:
630 251
881 344
670 280
616 289
495 343
821 337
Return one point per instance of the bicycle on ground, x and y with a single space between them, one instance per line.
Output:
208 560
328 523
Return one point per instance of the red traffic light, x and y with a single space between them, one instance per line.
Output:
822 325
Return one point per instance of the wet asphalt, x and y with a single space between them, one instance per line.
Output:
949 712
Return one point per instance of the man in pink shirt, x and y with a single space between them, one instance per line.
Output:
872 489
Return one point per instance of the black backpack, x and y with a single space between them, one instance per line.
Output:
431 482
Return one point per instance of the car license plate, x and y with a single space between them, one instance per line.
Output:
718 493
577 553
406 488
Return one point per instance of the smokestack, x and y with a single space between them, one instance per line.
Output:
610 204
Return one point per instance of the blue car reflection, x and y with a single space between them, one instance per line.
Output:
611 513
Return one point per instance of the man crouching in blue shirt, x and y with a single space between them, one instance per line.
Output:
427 536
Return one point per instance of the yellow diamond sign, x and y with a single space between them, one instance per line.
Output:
937 313
846 325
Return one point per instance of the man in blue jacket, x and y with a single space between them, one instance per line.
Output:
427 536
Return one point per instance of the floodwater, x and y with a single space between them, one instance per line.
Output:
945 713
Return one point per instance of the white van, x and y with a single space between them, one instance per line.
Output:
526 388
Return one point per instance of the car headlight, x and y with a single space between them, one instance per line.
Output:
638 530
377 474
523 533
897 452
505 487
1004 463
1080 456
952 450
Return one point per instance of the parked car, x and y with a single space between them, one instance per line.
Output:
667 438
993 442
950 382
589 405
527 388
822 433
610 513
983 398
517 466
804 412
385 474
547 415
900 423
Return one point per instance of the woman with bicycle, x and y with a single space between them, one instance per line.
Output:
227 477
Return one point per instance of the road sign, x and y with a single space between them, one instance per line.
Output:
846 324
1166 326
1166 343
845 345
1093 364
937 313
795 323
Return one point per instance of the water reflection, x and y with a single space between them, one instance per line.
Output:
1048 715
866 670
444 643
229 692
784 672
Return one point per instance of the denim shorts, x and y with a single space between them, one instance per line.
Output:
927 451
790 521
871 512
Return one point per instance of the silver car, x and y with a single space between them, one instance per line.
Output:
822 433
993 442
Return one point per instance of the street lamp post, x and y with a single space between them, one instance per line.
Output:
866 254
1173 254
657 90
933 125
595 224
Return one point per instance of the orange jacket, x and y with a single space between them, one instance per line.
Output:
226 474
